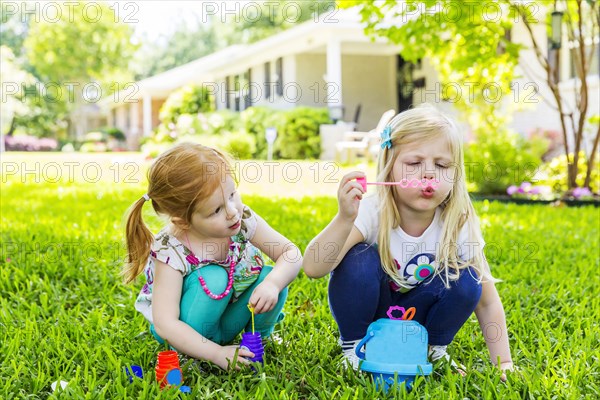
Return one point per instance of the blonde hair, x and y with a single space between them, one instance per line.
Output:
421 124
179 180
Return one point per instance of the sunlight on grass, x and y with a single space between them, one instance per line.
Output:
268 178
65 315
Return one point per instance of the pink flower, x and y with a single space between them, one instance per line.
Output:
525 187
581 192
512 189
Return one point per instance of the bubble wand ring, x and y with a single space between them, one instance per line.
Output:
407 315
404 183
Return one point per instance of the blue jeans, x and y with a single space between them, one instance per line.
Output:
219 320
359 293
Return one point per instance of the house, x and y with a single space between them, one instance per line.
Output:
329 63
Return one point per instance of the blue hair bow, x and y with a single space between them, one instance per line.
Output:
386 137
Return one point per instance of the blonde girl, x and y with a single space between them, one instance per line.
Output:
417 244
205 266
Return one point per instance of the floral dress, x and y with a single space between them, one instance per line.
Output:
167 249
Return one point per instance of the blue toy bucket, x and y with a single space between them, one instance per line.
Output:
396 351
386 381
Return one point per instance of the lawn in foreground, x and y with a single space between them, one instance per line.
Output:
65 315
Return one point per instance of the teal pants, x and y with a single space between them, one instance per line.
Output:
219 320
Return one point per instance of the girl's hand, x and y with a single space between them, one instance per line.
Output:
232 357
506 366
264 297
350 193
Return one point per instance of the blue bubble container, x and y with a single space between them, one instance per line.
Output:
395 351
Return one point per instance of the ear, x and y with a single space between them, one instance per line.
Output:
180 223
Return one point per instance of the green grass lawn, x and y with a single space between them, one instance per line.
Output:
65 315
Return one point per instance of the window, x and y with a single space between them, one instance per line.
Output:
227 89
267 80
279 73
574 55
247 89
236 88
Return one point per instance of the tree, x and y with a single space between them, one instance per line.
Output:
15 24
467 43
24 107
85 44
254 22
273 17
187 43
471 52
581 19
13 80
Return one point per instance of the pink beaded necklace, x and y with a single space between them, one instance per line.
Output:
194 261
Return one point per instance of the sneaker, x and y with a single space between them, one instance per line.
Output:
349 357
440 353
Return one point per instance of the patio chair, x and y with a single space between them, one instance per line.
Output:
365 144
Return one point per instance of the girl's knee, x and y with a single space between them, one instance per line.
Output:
468 287
265 323
362 259
215 279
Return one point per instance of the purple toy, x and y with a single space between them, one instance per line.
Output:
253 342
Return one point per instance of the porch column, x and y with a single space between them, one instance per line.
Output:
147 114
134 119
334 73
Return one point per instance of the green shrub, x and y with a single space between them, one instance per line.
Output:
162 139
243 134
255 121
205 140
95 136
186 100
298 133
240 145
93 147
219 122
496 161
554 173
115 133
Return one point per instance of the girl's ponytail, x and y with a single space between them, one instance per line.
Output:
139 240
177 180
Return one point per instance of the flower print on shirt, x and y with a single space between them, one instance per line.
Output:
419 268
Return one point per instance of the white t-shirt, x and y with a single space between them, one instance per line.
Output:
415 257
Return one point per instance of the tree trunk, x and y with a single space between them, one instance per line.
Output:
582 102
13 126
590 163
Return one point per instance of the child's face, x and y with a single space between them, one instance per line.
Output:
424 160
220 215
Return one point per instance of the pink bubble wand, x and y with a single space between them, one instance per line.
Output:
404 183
